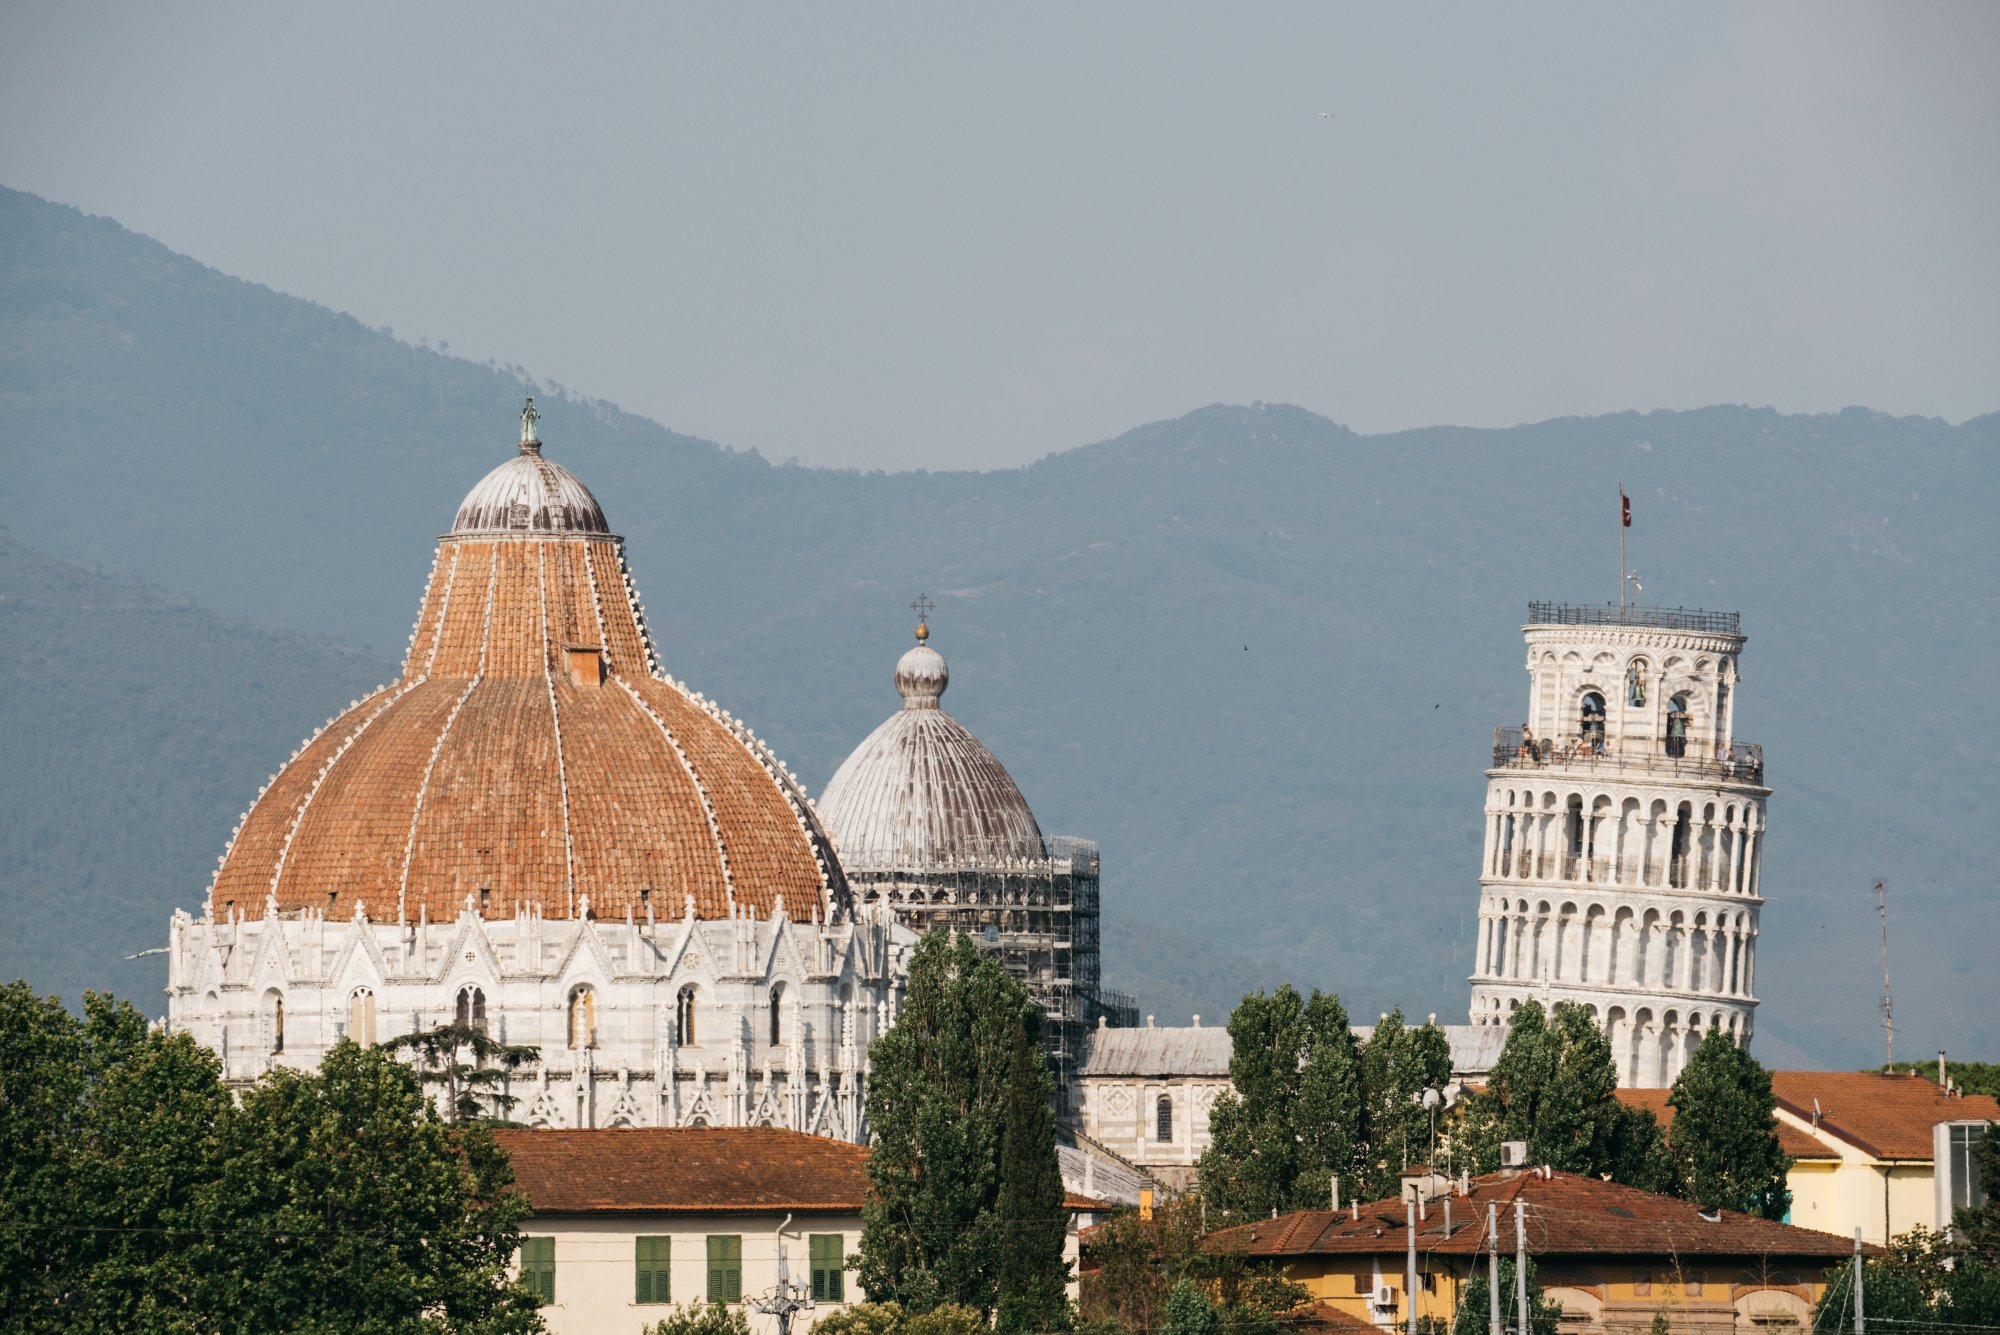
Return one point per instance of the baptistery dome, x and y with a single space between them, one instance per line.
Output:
921 790
532 756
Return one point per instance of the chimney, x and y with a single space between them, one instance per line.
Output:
586 664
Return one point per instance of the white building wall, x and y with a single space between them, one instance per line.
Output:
596 1258
836 987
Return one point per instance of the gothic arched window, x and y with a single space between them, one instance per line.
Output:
684 1017
1163 1119
471 1010
361 1017
777 1014
274 1021
582 1018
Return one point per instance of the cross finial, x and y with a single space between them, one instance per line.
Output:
922 607
530 442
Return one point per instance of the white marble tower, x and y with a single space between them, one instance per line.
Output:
1624 835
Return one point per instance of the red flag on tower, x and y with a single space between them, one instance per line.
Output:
1624 507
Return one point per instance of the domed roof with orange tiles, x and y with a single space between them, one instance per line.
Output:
532 755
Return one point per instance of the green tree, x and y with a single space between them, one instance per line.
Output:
42 1077
1293 1115
1474 1307
1033 1222
945 1091
1724 1144
1189 1312
1891 1295
347 1203
336 1200
699 1318
862 1319
1398 1063
1554 1088
471 1068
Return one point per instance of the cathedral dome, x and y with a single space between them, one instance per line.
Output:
531 756
921 791
528 494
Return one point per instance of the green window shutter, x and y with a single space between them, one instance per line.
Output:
538 1268
725 1267
651 1266
829 1266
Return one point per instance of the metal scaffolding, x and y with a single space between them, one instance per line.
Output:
1038 916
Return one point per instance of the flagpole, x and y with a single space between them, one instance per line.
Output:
1621 551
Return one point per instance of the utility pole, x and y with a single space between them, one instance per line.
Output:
1888 1012
1860 1325
1410 1268
1521 1265
1493 1268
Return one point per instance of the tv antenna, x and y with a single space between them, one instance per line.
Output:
1888 1011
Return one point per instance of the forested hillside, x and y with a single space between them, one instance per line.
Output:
1256 656
136 727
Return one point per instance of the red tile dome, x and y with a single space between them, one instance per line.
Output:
531 753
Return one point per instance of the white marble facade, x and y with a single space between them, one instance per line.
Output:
691 1022
1624 837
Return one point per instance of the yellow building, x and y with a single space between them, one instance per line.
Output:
1879 1170
1864 1148
1614 1257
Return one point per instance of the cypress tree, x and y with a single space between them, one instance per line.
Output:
933 1231
1033 1222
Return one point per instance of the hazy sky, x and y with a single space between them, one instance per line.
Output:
947 236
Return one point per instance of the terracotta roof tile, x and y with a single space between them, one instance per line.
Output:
1794 1142
487 767
685 1168
693 1168
1889 1116
1567 1216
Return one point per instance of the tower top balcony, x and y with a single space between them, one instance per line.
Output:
1695 620
1680 758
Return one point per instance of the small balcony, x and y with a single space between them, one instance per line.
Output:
1675 757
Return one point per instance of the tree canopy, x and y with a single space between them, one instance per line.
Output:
1308 1103
966 1201
136 1195
1554 1088
1725 1150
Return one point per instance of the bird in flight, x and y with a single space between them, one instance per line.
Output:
1326 115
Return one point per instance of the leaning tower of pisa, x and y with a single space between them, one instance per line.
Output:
1624 827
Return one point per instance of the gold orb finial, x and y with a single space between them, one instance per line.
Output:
922 607
923 632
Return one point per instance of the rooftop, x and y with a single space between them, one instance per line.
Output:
1888 1116
1566 1216
693 1169
1156 1051
1794 1142
685 1168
